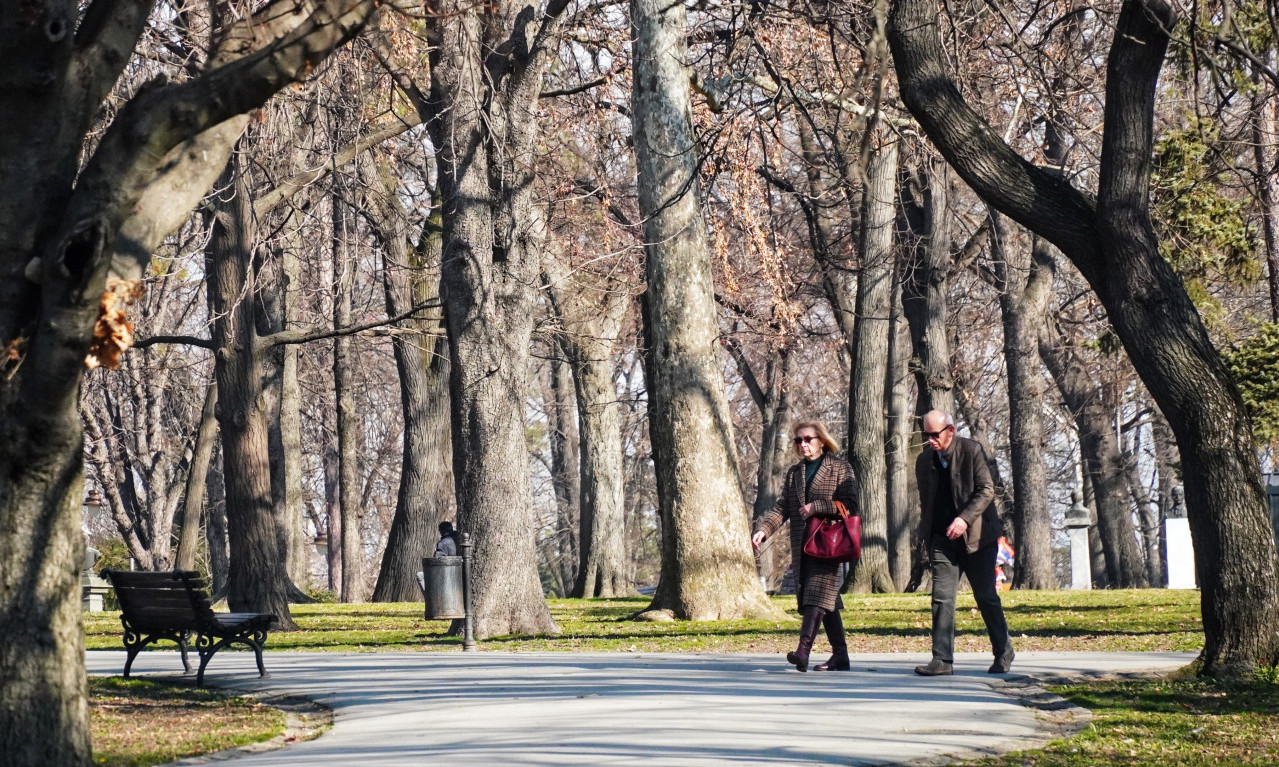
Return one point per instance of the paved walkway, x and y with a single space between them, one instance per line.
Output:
691 710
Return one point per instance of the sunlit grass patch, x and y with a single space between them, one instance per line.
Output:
136 722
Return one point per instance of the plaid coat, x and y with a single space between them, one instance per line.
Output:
817 581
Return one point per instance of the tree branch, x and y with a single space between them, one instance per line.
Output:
297 183
203 343
305 336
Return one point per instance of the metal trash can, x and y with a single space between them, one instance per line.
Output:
442 588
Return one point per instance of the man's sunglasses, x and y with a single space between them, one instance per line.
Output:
937 434
802 440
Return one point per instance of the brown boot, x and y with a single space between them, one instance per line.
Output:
834 625
807 633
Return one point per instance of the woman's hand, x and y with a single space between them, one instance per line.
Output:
807 510
757 539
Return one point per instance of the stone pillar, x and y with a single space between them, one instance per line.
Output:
1077 520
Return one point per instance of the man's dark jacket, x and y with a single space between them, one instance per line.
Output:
972 489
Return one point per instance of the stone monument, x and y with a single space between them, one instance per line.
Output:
92 587
1078 518
1181 550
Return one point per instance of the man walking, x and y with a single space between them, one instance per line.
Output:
960 528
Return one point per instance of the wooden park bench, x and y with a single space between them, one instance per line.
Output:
174 605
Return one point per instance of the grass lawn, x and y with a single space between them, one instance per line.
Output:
135 723
1146 723
1160 723
1154 619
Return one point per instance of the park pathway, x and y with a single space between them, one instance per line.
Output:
622 709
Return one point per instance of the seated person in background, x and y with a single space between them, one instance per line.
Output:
447 547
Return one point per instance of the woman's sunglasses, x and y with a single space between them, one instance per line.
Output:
802 440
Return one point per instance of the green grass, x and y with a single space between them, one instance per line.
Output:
1164 722
1154 619
134 723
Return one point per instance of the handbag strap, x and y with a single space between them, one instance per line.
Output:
841 508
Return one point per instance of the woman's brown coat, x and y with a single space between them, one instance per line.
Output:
817 581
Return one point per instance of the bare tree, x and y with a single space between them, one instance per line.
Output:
1112 243
870 352
707 568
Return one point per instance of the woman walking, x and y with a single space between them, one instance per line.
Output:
811 488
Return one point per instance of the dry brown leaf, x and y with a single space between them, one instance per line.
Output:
113 333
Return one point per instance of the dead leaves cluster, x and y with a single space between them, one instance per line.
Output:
113 333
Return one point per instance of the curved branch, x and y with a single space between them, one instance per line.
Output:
1035 197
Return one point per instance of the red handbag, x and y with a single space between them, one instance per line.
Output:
834 540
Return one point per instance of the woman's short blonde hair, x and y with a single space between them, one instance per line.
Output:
831 445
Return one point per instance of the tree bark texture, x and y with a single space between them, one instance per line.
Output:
349 423
925 231
487 65
257 580
899 457
193 501
279 312
566 464
421 357
590 310
1148 515
870 352
1024 281
708 571
1112 243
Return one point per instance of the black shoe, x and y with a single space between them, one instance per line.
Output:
935 668
800 664
837 662
1003 663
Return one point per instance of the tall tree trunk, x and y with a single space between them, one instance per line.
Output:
1102 460
42 681
603 569
708 571
278 312
257 579
426 479
897 453
484 134
1096 551
1022 303
1148 512
333 515
197 475
870 353
925 221
349 423
1112 242
215 532
566 467
591 309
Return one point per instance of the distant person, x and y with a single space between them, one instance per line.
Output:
811 488
447 547
961 530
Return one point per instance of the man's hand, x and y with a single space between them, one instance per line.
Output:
757 539
957 529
